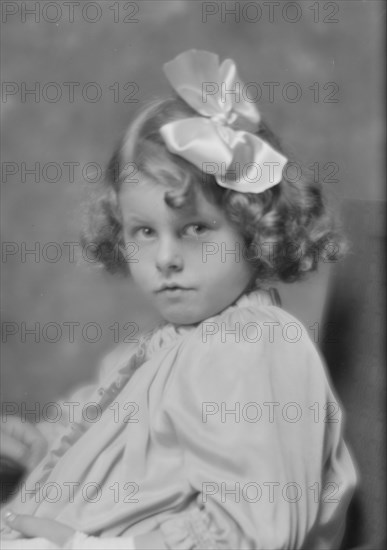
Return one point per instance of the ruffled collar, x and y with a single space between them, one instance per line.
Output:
166 334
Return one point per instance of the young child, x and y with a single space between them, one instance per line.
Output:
220 429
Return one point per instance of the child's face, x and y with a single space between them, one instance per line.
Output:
186 261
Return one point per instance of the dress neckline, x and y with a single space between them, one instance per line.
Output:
165 334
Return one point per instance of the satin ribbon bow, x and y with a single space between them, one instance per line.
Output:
238 159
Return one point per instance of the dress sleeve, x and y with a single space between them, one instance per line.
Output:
261 435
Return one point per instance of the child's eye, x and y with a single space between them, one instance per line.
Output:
145 232
196 229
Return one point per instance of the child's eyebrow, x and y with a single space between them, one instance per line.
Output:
181 218
208 218
135 218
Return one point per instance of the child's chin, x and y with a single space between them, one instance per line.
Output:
183 317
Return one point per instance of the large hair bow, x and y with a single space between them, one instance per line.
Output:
237 158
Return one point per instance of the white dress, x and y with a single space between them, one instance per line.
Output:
225 434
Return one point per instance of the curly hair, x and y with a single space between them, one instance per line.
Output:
287 229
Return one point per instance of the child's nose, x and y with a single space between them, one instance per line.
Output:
169 257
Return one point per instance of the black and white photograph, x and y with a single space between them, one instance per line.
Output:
192 275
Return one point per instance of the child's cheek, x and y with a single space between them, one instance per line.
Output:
141 264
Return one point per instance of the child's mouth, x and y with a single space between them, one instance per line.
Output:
172 290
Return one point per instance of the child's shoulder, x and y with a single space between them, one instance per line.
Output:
255 336
253 351
255 318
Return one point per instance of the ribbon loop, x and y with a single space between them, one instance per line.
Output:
238 159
